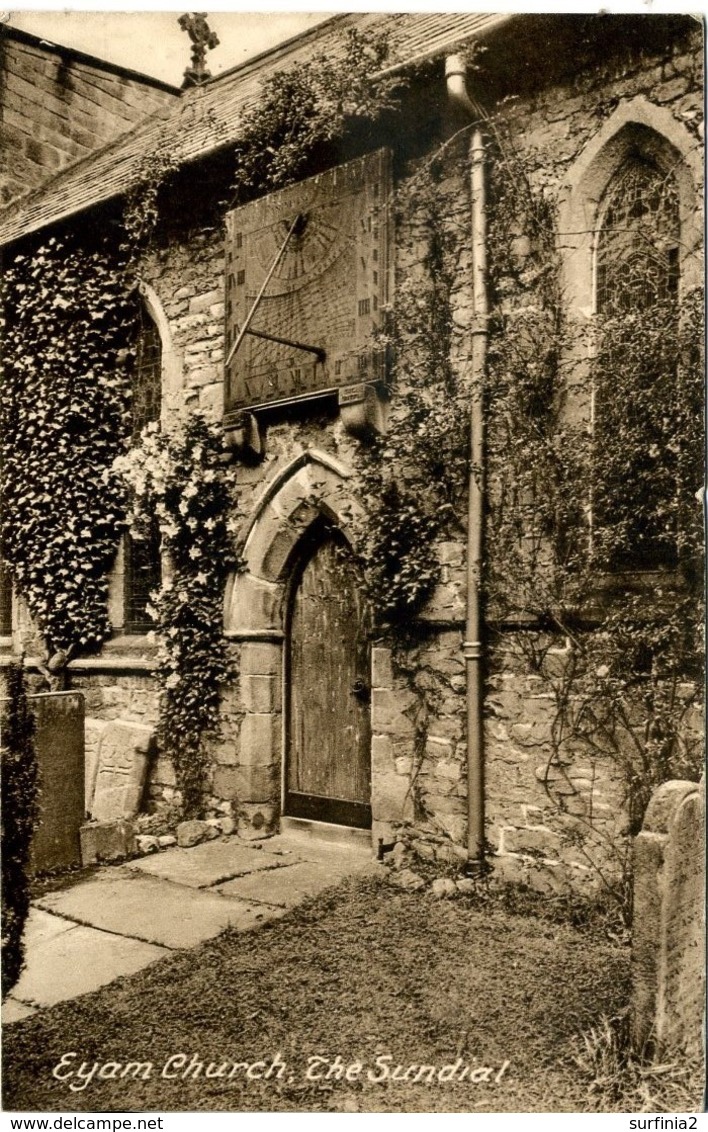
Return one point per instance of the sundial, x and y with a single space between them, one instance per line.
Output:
306 284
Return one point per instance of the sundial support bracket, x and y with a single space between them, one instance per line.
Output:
363 409
245 439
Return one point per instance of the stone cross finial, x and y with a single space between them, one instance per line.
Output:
203 40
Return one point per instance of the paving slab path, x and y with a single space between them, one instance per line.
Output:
125 917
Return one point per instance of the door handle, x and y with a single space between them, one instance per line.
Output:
362 691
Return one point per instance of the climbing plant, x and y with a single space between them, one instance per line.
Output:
304 111
177 479
64 415
141 212
20 812
578 515
412 479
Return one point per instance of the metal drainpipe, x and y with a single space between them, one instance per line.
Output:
455 72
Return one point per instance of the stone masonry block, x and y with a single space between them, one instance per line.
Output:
261 658
253 604
381 667
226 754
391 797
163 773
106 841
211 399
538 839
437 748
256 783
258 744
260 693
269 545
445 604
224 782
387 711
382 751
256 821
204 301
291 496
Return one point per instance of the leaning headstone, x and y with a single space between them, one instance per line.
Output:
94 731
124 751
59 740
668 931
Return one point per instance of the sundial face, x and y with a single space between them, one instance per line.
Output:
327 290
307 255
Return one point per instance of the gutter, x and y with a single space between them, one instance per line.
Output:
456 77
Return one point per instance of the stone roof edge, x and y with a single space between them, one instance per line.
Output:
22 36
163 114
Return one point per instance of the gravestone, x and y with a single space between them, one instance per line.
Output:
59 741
123 752
668 934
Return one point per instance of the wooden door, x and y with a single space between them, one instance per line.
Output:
328 758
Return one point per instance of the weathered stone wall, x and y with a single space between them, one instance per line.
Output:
555 124
553 818
57 105
668 937
536 814
566 814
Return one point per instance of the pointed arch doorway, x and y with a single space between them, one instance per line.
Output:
327 773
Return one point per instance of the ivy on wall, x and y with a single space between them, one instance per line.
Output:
177 480
304 111
64 414
594 539
19 778
71 315
412 480
66 405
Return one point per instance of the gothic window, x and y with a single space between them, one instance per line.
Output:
5 600
637 248
142 556
636 300
142 574
147 375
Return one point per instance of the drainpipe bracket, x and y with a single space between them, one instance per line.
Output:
472 650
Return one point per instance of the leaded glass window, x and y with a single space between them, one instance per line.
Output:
637 248
142 574
147 375
637 280
5 600
142 556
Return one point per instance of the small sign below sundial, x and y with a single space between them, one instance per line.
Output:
306 284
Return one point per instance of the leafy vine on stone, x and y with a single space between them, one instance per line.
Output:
578 516
304 112
65 413
176 479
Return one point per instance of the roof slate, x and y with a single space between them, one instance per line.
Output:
208 118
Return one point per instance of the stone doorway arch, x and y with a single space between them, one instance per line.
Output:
311 489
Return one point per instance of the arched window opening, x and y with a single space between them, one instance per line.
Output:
635 371
142 556
142 574
638 240
147 374
5 599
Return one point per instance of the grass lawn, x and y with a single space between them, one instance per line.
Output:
366 971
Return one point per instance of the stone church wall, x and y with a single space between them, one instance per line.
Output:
418 719
58 105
